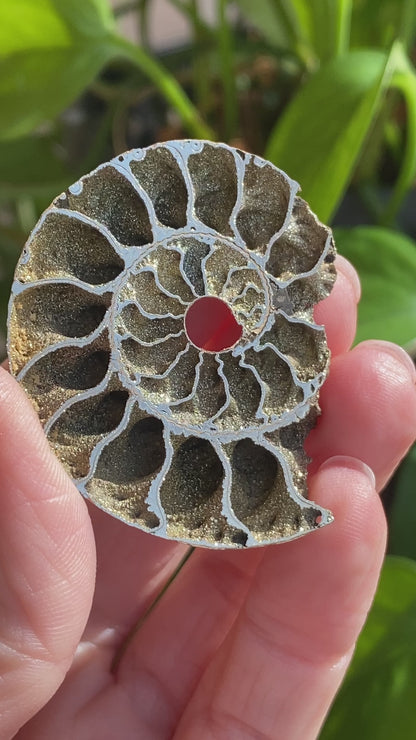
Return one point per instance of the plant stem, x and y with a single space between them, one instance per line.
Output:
203 37
166 84
200 58
144 23
230 102
133 632
128 7
407 23
190 11
343 27
405 82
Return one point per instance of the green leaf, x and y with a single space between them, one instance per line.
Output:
380 22
48 58
314 29
404 80
38 84
86 17
329 26
319 137
376 700
324 26
402 518
39 80
25 24
386 263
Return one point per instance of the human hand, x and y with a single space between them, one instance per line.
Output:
243 645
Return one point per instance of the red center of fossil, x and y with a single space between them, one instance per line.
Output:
210 324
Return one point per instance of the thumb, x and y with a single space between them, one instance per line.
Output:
47 563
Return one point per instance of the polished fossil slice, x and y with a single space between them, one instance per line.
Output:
161 322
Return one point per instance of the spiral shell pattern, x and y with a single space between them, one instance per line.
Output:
190 443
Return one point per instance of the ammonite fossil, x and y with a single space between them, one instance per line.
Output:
161 321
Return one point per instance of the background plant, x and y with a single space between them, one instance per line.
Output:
326 89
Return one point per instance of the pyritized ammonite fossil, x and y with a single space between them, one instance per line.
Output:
161 322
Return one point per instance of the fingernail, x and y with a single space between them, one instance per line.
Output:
398 353
352 463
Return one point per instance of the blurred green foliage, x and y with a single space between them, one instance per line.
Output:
322 157
376 701
389 289
326 89
402 520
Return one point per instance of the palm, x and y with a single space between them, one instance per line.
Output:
243 644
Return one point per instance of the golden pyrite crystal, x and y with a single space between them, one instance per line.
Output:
180 415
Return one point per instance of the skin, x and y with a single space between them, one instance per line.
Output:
243 645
